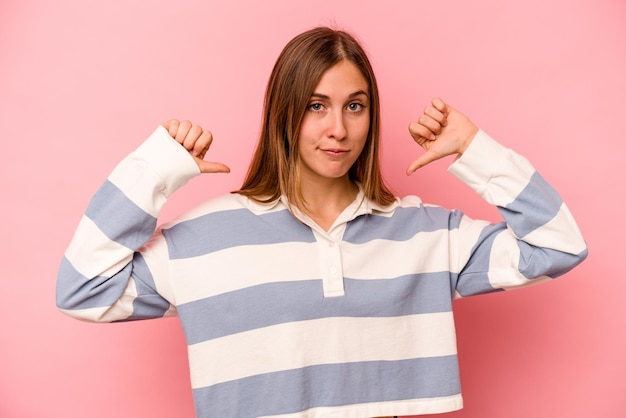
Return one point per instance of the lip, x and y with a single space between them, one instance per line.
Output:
335 152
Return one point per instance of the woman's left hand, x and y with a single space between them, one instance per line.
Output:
441 131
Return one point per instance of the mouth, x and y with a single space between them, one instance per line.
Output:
335 152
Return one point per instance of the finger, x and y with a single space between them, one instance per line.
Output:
212 167
437 115
202 144
418 130
421 161
431 123
182 131
441 106
191 137
421 141
172 127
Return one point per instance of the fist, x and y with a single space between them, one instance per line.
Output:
197 142
441 130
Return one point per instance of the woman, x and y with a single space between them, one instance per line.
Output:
312 291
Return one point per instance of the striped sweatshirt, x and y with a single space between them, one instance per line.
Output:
285 319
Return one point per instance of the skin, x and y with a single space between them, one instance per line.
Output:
335 125
441 131
197 141
333 133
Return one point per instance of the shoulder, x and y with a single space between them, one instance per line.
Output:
410 201
411 208
224 203
231 203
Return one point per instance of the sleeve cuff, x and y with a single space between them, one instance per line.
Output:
495 172
168 159
480 162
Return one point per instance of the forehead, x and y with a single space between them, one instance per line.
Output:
343 78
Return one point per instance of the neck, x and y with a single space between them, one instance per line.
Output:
327 199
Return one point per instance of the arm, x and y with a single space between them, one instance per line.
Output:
115 267
539 238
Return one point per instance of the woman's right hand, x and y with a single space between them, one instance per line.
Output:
197 142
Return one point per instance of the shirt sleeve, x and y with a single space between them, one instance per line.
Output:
115 267
538 240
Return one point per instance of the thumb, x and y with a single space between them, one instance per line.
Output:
211 167
426 158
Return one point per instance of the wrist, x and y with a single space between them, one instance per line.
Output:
468 138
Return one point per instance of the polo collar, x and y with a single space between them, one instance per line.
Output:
362 205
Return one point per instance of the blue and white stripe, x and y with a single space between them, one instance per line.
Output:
283 319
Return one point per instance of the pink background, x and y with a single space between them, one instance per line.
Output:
83 82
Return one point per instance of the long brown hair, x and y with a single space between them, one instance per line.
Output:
274 170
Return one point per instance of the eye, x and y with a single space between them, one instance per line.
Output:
315 107
356 107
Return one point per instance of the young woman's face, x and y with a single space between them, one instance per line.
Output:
335 125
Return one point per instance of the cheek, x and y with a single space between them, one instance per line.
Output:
309 129
361 130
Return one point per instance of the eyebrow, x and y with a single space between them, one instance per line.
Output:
325 97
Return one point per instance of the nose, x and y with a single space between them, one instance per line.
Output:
337 128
